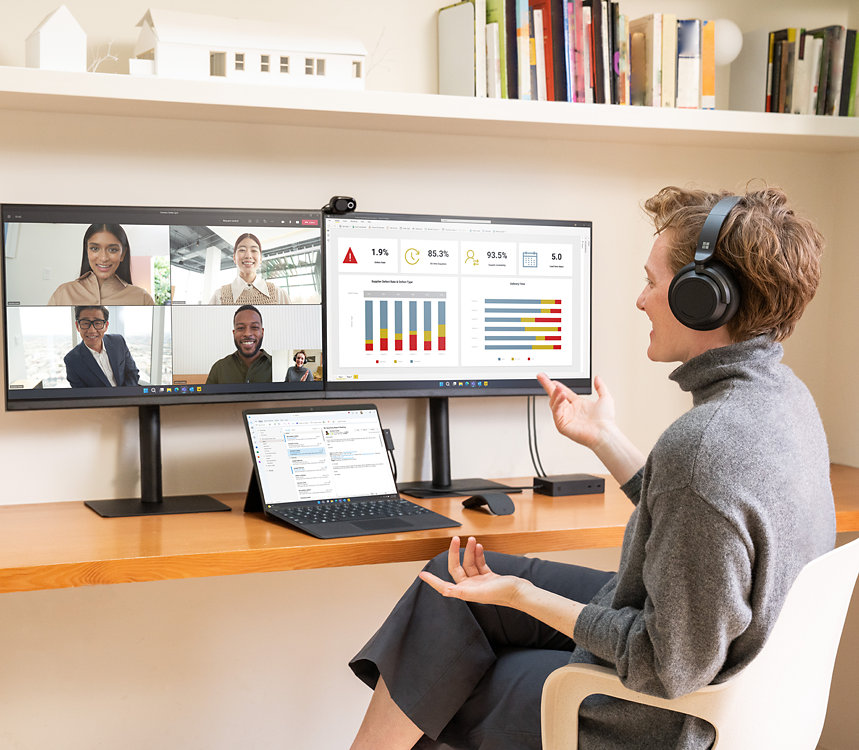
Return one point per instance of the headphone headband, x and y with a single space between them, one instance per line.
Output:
712 226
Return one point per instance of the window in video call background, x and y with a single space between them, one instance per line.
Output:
180 257
455 306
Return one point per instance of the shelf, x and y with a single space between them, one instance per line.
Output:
26 89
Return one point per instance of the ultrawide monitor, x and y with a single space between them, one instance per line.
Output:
137 305
455 306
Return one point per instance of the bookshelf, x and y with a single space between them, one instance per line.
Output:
119 95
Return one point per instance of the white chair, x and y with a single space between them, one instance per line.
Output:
779 700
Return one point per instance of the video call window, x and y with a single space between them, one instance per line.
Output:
124 301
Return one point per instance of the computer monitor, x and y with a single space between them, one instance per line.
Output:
153 306
442 306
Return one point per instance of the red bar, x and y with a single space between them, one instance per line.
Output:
427 346
441 340
552 338
413 342
398 344
383 345
369 346
547 320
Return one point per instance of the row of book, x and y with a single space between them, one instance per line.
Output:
812 71
575 51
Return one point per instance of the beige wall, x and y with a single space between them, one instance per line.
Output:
187 663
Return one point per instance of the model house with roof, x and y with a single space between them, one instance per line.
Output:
174 44
57 43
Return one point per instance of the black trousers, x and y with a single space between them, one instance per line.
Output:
471 675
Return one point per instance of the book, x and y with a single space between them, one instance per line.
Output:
538 57
543 43
649 29
848 92
502 13
638 69
801 84
623 58
598 45
588 53
560 45
479 47
493 61
830 36
579 51
708 65
688 63
816 54
668 78
854 77
523 49
456 50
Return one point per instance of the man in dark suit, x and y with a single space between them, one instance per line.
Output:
101 359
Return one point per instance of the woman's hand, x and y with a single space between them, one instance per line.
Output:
473 580
582 420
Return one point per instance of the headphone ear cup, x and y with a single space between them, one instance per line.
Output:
704 298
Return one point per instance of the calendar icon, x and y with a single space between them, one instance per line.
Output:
529 260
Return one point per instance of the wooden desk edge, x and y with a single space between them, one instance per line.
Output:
345 552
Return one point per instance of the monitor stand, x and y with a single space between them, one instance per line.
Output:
441 483
151 502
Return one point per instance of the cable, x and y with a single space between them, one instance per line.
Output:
531 413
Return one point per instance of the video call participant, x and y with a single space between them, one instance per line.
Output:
101 359
733 500
250 363
249 287
298 373
105 276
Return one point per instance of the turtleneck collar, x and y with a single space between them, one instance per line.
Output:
727 362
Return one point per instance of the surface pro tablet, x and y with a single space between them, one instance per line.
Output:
325 470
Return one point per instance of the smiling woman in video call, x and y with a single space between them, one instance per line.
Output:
249 287
105 275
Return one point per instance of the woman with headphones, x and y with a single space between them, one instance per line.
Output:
298 373
732 501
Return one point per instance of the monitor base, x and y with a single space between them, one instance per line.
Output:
131 506
456 487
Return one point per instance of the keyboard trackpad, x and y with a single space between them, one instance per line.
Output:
374 524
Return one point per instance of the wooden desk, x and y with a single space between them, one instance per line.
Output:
58 545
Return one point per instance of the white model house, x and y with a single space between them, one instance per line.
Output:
173 44
58 43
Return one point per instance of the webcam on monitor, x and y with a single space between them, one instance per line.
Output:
340 204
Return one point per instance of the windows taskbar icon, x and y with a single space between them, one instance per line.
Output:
171 390
463 383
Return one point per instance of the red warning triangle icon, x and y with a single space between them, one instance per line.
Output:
350 257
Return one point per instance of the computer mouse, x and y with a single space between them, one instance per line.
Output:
498 503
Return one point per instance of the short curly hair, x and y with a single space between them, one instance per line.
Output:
773 253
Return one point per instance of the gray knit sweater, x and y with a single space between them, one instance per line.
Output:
734 499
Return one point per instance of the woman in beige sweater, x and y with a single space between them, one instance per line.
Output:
105 277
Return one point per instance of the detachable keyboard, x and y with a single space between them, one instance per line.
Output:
350 511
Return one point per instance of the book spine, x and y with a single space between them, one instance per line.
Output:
688 63
523 39
708 65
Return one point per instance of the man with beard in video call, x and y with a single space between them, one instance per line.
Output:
250 363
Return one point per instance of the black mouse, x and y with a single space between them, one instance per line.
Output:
498 503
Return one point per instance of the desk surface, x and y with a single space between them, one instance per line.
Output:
58 545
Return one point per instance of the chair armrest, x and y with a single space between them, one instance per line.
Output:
568 686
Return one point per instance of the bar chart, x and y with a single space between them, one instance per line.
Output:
522 324
407 321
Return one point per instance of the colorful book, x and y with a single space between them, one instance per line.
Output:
545 43
578 50
848 92
708 65
650 30
523 49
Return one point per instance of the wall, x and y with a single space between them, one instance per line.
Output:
205 656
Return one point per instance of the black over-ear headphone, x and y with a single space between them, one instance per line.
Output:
704 294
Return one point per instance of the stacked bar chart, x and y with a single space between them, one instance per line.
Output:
522 324
418 321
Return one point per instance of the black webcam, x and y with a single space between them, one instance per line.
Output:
340 204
